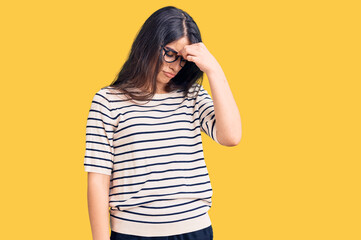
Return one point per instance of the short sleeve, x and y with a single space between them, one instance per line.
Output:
207 117
99 152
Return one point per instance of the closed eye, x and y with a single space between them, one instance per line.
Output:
170 55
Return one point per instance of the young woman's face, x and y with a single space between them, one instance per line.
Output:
172 68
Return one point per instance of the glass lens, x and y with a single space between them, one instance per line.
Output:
170 56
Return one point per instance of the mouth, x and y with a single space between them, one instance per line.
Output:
169 74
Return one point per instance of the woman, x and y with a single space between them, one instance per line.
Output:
144 153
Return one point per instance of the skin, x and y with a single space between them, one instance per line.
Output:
98 184
228 119
98 205
173 67
228 123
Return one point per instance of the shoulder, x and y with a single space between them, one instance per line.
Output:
196 87
193 90
106 94
102 103
106 91
199 92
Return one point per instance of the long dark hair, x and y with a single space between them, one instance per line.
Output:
142 66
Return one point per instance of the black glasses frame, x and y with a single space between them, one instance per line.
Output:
169 50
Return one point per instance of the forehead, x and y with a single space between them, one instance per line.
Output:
179 44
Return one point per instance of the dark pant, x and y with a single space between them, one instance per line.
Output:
203 234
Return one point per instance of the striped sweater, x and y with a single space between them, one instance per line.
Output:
159 184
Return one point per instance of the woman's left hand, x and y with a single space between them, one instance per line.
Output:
199 54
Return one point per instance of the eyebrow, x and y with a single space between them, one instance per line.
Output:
172 49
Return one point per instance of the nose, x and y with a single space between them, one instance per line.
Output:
175 66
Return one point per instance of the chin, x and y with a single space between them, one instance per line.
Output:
163 81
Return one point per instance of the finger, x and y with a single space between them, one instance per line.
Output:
188 50
191 58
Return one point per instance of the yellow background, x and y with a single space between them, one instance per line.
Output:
294 70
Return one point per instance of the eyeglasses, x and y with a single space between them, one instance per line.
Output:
171 56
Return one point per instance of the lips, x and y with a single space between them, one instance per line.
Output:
169 74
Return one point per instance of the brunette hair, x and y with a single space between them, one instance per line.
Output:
143 64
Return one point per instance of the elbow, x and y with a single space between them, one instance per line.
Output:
236 135
230 142
235 141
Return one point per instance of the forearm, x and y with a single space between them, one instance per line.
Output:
98 207
228 119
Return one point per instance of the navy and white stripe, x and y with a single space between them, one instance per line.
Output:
153 151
